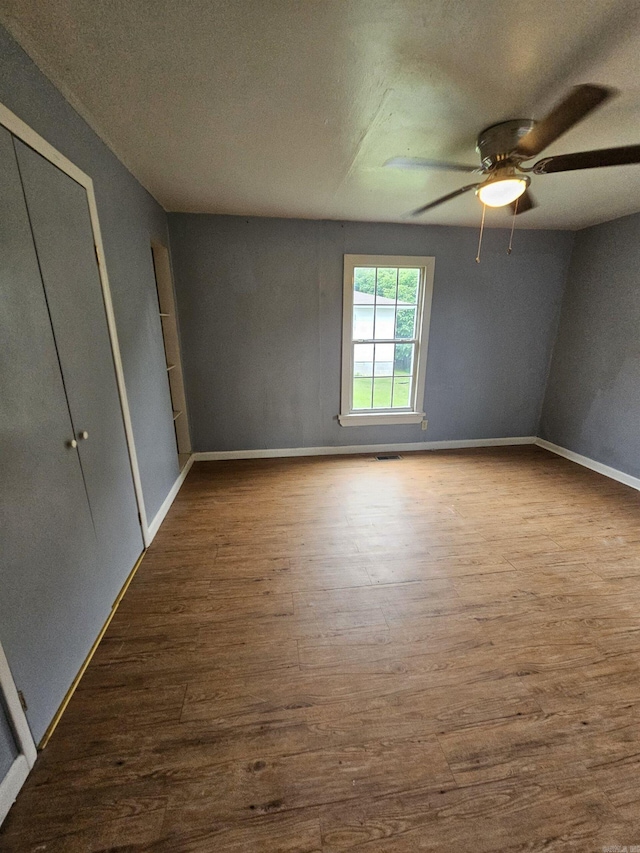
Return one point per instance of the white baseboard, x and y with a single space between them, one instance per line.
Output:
607 470
153 528
350 449
11 784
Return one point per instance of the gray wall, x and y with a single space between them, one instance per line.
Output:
129 219
592 403
260 303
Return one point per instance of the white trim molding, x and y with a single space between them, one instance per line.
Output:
353 449
16 716
381 418
24 761
11 784
598 467
159 517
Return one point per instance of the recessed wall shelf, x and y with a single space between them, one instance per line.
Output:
173 359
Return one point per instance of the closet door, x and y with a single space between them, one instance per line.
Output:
48 570
60 221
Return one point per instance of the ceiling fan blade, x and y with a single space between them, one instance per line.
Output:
420 163
441 200
580 101
524 203
626 155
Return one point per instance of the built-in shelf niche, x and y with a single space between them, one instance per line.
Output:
166 302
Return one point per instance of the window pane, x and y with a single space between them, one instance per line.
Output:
362 393
408 280
403 359
387 283
405 323
385 320
364 280
362 320
401 392
384 356
363 359
382 392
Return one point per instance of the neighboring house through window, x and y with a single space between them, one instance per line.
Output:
387 303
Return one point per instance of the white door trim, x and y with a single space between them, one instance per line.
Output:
11 784
18 128
19 770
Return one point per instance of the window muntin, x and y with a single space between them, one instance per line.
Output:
384 338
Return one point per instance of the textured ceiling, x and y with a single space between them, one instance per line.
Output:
290 107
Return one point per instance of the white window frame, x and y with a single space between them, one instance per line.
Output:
377 417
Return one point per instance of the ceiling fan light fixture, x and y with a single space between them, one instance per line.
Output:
499 192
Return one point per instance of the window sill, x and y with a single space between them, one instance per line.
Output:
381 419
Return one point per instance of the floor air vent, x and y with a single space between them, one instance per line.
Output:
387 457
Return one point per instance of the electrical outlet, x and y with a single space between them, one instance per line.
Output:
423 425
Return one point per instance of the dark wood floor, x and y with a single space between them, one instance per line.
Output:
440 653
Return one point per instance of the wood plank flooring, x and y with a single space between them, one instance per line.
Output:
440 653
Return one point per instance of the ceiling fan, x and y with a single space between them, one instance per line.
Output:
504 147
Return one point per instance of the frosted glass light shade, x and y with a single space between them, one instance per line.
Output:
499 193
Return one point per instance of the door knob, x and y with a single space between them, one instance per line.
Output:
72 443
84 434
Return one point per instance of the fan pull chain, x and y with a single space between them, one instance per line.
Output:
484 208
513 225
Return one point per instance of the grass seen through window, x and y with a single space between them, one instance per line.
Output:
382 387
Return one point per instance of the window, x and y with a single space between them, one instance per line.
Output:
387 302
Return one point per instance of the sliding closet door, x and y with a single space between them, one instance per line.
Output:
61 225
48 571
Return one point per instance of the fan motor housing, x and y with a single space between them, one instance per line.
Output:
496 142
